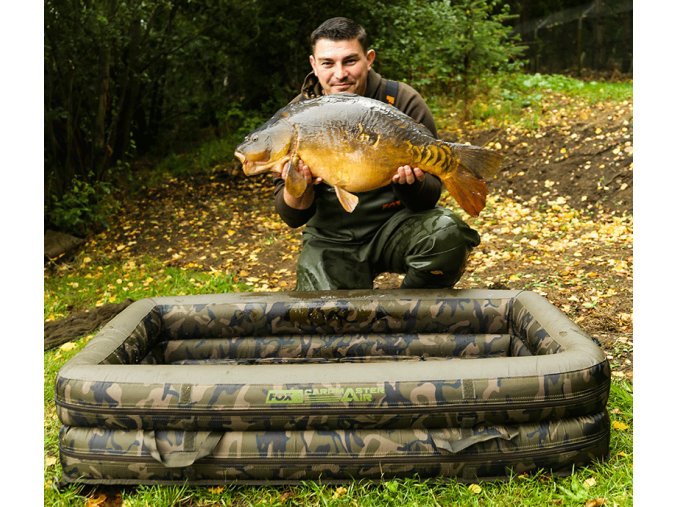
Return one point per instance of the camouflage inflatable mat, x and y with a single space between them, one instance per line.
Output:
283 387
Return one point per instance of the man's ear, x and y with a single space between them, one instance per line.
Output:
311 59
371 56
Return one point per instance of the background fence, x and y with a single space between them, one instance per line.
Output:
596 36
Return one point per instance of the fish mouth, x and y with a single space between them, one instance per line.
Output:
252 168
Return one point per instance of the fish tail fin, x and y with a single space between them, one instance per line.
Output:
466 183
481 162
469 191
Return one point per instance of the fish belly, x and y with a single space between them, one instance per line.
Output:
355 168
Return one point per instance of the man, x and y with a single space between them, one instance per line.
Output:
397 228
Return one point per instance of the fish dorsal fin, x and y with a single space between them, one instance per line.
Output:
348 201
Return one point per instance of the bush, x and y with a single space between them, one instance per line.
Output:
84 208
444 48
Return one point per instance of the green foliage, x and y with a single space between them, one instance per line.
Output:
213 153
84 208
135 78
203 159
444 47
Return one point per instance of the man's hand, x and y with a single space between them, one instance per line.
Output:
307 198
405 175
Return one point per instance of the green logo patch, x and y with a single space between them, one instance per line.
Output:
358 394
285 396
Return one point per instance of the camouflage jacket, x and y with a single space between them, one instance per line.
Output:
325 218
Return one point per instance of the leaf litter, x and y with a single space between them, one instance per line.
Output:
558 221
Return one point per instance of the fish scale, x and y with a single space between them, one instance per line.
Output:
356 144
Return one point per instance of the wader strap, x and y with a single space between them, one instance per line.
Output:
391 91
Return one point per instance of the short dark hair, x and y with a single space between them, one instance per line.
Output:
339 29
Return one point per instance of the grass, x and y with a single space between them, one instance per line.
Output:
87 282
519 100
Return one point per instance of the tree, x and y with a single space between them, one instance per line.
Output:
129 78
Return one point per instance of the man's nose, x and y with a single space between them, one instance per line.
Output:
341 71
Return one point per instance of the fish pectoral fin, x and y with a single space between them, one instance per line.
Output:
348 201
295 182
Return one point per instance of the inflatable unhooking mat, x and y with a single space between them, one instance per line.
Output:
284 387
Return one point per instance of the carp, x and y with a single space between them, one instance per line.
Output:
356 144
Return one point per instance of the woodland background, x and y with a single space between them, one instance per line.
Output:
126 81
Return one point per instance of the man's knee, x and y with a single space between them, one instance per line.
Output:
439 258
446 237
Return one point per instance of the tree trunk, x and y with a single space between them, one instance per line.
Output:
121 126
100 155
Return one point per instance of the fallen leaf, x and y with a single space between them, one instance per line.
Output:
340 491
620 426
68 346
475 489
595 502
96 500
216 490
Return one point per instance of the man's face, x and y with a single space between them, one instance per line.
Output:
341 66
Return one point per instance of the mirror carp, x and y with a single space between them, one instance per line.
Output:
356 144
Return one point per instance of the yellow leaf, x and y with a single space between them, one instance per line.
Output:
67 346
340 491
96 500
589 483
475 489
216 490
620 426
49 461
596 502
